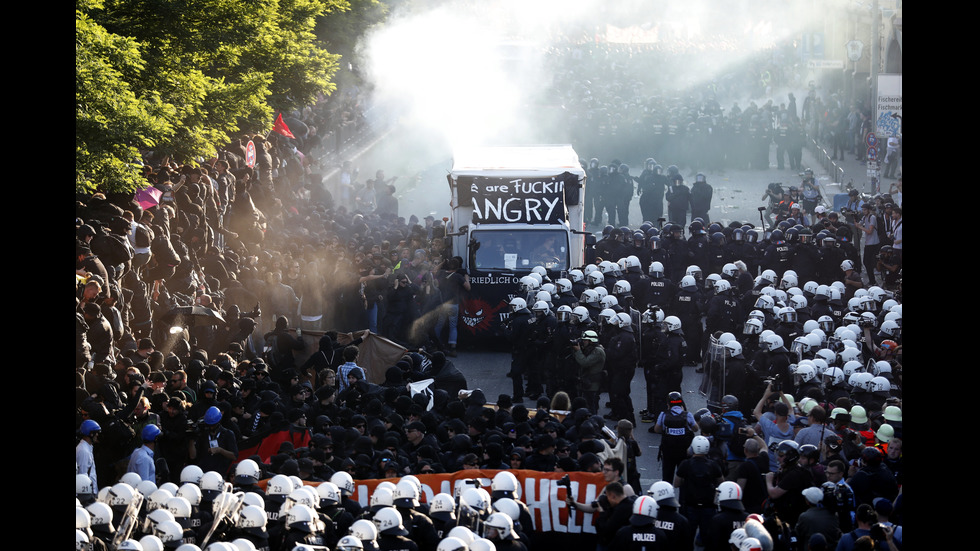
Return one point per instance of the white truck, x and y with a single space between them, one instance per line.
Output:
513 208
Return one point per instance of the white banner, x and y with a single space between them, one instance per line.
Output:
888 107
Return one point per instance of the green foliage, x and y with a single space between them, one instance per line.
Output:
112 122
180 77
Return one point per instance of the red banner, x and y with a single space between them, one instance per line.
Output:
269 445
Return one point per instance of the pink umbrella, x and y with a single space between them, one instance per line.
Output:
148 197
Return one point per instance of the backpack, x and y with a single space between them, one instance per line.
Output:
677 435
730 432
272 353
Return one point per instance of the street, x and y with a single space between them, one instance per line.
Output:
485 370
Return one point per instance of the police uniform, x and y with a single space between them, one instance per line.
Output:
640 538
651 189
724 313
621 365
678 200
720 529
701 200
697 491
651 337
687 306
676 528
542 356
388 542
660 291
520 333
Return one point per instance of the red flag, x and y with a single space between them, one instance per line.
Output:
281 128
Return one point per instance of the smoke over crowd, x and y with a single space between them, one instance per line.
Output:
597 76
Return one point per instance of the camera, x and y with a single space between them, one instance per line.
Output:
777 385
837 497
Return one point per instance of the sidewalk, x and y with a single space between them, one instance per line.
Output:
843 171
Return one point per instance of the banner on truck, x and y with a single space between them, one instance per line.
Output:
521 200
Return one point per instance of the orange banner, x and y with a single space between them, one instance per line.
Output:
544 498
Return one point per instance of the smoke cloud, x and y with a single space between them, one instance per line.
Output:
504 71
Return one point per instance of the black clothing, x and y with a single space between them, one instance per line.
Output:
621 365
720 529
678 201
641 538
794 480
609 521
700 476
701 200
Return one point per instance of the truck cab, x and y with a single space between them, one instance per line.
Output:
513 208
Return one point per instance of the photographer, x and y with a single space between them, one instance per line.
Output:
615 508
889 265
777 426
612 472
774 193
869 225
810 192
896 233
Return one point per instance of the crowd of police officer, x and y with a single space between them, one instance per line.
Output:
780 311
622 99
289 514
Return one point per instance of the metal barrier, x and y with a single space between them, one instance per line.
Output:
830 166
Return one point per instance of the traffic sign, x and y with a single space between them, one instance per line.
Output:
871 139
250 154
872 153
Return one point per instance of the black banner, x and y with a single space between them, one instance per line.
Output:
522 200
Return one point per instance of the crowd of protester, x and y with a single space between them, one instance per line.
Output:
191 371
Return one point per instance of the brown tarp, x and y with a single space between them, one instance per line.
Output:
377 354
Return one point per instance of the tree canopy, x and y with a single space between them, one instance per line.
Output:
180 77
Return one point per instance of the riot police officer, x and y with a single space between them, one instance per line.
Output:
519 330
651 187
701 192
678 200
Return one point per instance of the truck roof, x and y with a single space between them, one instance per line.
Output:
515 160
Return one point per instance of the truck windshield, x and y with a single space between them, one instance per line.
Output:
519 249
